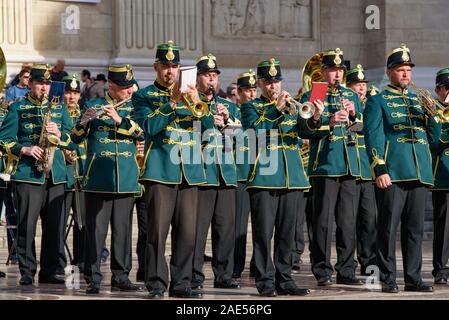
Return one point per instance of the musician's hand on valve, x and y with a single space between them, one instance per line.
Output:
52 128
282 101
222 110
112 113
34 151
219 121
319 109
349 106
175 96
88 115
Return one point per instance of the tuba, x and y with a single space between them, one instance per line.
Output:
311 72
48 143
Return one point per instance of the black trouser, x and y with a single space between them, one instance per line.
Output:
7 197
274 211
304 212
242 210
366 224
403 203
142 234
440 233
216 208
334 197
102 208
46 201
174 205
78 236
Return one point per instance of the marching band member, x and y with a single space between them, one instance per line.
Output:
275 183
171 173
111 178
38 193
398 131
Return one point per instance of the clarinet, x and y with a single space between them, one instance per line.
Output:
351 138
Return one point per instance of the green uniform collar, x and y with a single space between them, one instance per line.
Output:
266 100
397 90
163 88
33 100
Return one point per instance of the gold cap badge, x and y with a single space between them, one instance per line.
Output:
360 74
273 71
129 74
73 84
405 56
337 59
211 62
170 55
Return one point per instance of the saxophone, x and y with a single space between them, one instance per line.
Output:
48 143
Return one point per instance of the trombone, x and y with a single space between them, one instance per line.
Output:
430 105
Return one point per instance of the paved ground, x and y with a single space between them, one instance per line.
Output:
9 288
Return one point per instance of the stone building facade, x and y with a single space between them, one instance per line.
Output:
239 32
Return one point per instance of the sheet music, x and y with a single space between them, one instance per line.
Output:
187 77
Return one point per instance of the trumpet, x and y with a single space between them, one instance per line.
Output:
430 105
198 108
305 110
102 112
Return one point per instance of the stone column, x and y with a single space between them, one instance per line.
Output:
16 35
140 25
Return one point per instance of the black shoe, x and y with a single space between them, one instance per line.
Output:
325 281
236 275
296 268
26 281
186 293
440 279
140 276
292 291
93 288
197 285
268 292
51 280
207 258
125 286
230 284
350 281
157 293
420 287
390 287
2 274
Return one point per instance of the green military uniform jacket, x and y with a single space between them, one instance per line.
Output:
172 139
364 164
22 128
440 153
398 134
75 170
3 156
242 151
218 149
330 154
111 165
278 163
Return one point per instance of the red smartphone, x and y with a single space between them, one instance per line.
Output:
319 90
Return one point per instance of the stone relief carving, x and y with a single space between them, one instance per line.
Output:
262 18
